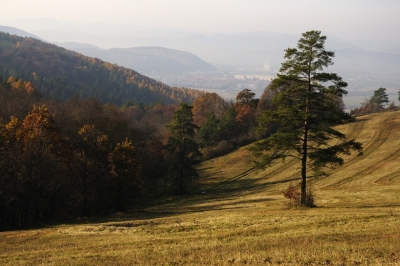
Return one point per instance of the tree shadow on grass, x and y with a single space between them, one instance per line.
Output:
230 194
234 193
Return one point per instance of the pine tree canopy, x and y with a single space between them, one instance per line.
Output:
308 104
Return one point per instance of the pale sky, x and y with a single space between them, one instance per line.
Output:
348 19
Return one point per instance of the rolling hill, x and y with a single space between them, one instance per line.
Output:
237 216
362 180
15 31
59 73
146 60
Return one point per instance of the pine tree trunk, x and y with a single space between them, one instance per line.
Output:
305 143
304 168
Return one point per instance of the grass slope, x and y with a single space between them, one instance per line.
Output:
237 217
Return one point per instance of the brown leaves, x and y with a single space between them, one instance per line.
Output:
205 104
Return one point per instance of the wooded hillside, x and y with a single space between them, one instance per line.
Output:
59 73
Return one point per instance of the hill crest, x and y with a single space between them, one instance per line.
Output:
149 60
59 73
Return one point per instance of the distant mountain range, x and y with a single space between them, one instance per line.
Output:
376 64
18 32
146 60
59 73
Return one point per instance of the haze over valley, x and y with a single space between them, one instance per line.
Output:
223 61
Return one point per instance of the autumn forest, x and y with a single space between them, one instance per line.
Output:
79 157
81 137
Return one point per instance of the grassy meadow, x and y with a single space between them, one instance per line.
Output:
236 216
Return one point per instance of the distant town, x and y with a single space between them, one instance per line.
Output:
227 82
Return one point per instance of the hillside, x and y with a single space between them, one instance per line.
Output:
59 73
147 60
15 31
362 180
237 217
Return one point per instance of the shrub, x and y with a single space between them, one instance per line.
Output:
293 194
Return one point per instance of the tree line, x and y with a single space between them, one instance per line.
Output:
60 160
78 158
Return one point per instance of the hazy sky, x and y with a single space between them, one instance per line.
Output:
349 19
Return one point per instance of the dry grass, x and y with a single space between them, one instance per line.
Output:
244 219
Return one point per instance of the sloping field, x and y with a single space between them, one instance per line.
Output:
376 172
238 216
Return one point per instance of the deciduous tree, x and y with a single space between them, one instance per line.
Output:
91 165
246 106
205 104
126 169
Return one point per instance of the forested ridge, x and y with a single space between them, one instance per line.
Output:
59 73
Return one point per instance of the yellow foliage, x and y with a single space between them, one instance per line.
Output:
29 88
21 85
13 124
11 80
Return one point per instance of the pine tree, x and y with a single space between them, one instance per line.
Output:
209 133
308 104
182 149
379 99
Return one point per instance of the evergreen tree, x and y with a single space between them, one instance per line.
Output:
308 105
399 95
379 99
182 149
209 132
228 125
375 103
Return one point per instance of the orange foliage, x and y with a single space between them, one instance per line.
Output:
205 104
21 85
